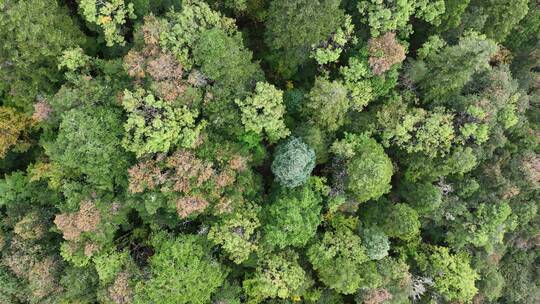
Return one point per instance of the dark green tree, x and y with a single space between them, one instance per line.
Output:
30 44
88 147
294 27
294 214
277 275
182 271
340 259
443 71
368 168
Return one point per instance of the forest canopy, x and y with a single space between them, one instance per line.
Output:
269 151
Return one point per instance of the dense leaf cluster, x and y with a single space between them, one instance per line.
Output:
257 151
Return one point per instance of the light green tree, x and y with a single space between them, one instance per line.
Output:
154 125
263 111
416 130
277 275
452 275
110 16
388 16
327 104
236 232
483 227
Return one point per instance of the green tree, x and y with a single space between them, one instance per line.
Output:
294 214
182 29
327 104
446 70
30 43
223 58
155 125
452 275
375 241
12 290
293 162
521 279
294 27
236 232
110 16
401 222
501 16
88 146
317 139
339 257
423 197
368 168
182 271
277 275
264 110
454 9
80 284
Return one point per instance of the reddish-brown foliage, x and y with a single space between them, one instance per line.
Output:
197 79
30 227
170 90
223 206
530 165
384 52
151 30
188 205
188 170
238 163
73 224
2 240
42 111
23 256
377 296
225 178
196 181
134 63
503 56
164 66
165 71
144 175
90 248
42 278
120 291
